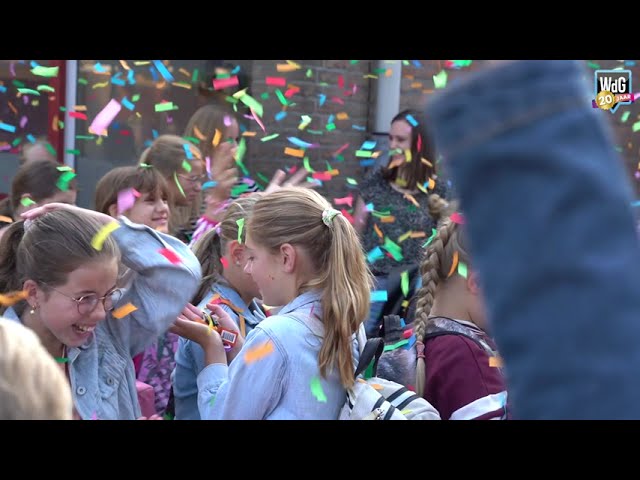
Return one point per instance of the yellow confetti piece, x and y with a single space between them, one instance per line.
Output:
216 138
124 65
454 265
80 108
416 85
258 352
404 236
11 298
285 67
342 116
249 134
495 362
407 154
406 412
426 162
388 219
294 152
99 85
98 240
124 310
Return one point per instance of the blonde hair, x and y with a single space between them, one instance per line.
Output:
295 215
167 155
32 385
438 262
210 247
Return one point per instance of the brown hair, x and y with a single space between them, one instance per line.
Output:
143 179
207 119
210 247
54 245
294 215
32 385
438 262
167 154
26 150
416 172
39 179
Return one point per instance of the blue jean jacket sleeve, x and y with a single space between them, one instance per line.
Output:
548 211
159 291
244 390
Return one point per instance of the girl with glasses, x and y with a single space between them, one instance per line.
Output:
64 261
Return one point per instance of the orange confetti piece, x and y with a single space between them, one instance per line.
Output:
13 109
80 108
454 265
124 310
432 184
426 162
54 123
495 362
412 199
294 152
258 352
416 85
286 67
396 163
11 298
377 230
417 235
388 219
198 133
243 328
342 116
249 134
5 219
377 386
216 138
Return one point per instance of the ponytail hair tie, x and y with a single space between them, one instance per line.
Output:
328 215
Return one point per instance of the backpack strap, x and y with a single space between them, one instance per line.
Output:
371 352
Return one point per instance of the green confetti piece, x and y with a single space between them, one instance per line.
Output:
309 73
238 190
379 71
193 140
135 98
264 95
165 107
73 152
393 248
63 181
404 283
388 348
194 77
29 91
351 181
330 127
175 178
240 163
625 116
315 132
233 101
84 137
50 149
636 127
45 88
63 109
281 97
353 62
329 167
18 83
242 149
16 141
83 81
462 269
213 399
269 137
240 223
306 164
368 373
316 390
339 158
384 213
48 72
60 124
434 232
186 166
167 416
364 153
262 177
26 201
440 79
406 63
61 359
253 104
593 65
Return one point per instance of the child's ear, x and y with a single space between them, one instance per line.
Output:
113 210
235 251
473 282
288 255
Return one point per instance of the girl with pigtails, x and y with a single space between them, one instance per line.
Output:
457 368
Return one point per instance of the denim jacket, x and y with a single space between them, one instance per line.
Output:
276 376
101 371
190 356
548 208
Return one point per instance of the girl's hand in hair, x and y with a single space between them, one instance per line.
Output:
50 207
296 180
155 416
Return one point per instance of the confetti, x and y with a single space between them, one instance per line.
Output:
219 84
124 310
462 269
276 81
170 255
454 264
259 352
8 128
404 283
64 180
163 71
165 107
240 223
440 80
294 152
224 262
495 362
6 219
175 178
316 390
102 121
99 238
458 218
11 298
126 199
379 296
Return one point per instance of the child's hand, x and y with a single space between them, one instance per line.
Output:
50 207
296 180
155 416
190 325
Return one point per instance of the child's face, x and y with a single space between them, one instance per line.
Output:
72 323
399 138
263 267
151 209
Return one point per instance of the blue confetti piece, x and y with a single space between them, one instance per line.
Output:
154 75
331 118
375 254
412 342
163 71
359 128
147 143
369 207
368 145
210 184
379 296
411 120
187 151
243 128
34 64
118 81
3 88
154 133
416 63
99 68
31 138
402 323
235 70
629 63
635 204
368 162
299 143
127 104
131 78
7 128
280 115
323 98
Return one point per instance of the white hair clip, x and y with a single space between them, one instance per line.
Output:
328 214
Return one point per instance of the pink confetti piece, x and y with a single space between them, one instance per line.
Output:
25 99
348 216
276 81
257 119
220 83
208 162
23 121
170 255
227 121
457 218
337 100
126 199
291 92
323 176
94 416
340 81
12 69
78 115
224 262
341 149
105 117
344 201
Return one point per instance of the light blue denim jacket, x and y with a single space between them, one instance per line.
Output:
101 371
190 356
277 386
548 208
